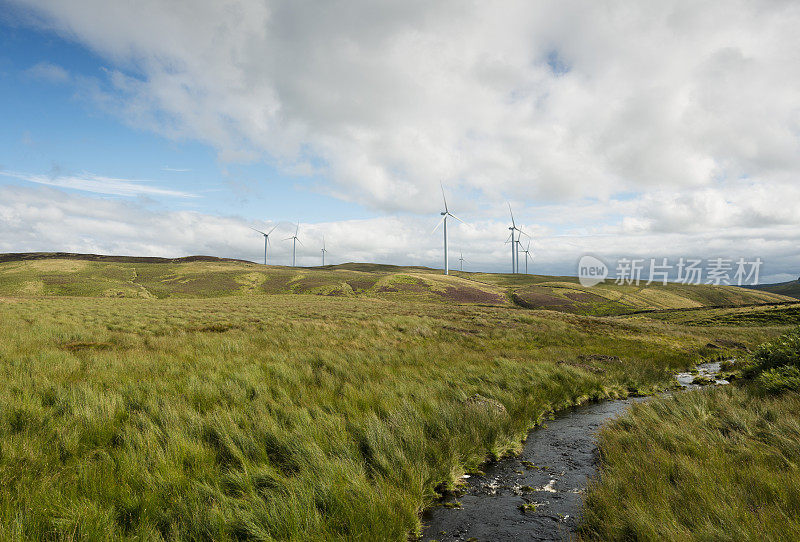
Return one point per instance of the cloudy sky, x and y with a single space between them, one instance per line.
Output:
614 128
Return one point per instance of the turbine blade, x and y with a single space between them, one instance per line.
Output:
299 241
273 229
288 238
443 197
439 224
512 215
454 216
259 231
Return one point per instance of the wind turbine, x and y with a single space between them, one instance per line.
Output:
266 240
445 214
461 261
515 242
527 253
323 251
294 240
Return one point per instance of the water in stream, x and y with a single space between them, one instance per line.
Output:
551 474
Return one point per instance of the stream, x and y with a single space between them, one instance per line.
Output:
536 495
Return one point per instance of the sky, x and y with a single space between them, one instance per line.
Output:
618 129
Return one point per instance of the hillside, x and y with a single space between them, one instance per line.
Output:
791 288
201 277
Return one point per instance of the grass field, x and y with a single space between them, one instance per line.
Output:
717 464
196 410
712 464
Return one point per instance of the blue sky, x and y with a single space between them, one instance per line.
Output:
51 128
168 129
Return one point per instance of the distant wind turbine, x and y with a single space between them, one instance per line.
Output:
446 213
515 242
527 253
461 261
266 240
294 240
323 251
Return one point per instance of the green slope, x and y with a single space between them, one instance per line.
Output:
791 288
202 277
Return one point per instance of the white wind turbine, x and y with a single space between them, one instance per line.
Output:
324 250
514 240
266 240
527 253
461 261
446 213
294 240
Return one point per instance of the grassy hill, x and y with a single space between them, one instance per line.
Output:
58 274
791 288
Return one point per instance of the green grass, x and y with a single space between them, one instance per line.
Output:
286 417
223 400
716 464
721 464
129 277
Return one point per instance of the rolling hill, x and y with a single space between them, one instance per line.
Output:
89 275
791 288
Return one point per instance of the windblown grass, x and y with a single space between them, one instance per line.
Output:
716 464
284 417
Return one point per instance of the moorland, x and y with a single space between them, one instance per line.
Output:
224 400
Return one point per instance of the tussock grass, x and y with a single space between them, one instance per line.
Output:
716 464
284 417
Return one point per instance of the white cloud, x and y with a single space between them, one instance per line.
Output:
98 184
638 129
46 71
49 219
541 101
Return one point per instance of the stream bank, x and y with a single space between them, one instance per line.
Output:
536 495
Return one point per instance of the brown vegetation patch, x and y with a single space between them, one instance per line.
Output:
536 300
600 357
23 256
727 343
359 285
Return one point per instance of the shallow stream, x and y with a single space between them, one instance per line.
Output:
550 476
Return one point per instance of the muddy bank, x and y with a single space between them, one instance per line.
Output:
538 494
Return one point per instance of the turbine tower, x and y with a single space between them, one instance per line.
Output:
461 261
323 251
266 240
294 240
527 253
446 213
